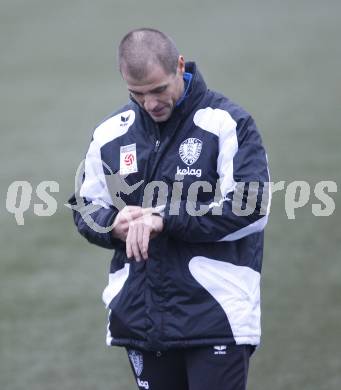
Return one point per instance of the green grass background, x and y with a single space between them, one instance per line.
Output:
281 60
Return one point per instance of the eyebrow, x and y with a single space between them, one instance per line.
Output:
154 90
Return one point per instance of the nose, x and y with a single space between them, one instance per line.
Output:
150 102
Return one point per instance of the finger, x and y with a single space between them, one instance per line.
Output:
140 239
126 214
148 211
129 251
124 229
127 210
134 242
132 208
145 242
132 214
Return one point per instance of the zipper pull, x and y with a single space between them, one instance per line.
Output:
157 144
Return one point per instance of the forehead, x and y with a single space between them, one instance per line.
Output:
153 78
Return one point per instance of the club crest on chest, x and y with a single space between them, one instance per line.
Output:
190 150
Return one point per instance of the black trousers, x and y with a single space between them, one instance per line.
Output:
201 368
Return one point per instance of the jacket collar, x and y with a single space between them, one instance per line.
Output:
196 92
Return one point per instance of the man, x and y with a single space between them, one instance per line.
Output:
176 183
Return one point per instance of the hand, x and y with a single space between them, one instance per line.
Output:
141 230
123 219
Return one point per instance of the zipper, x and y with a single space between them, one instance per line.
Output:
157 145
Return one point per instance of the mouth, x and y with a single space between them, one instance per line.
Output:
159 112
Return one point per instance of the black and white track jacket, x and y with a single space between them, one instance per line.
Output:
206 172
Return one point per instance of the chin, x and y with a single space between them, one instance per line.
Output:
162 118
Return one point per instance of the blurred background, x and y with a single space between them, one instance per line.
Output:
281 60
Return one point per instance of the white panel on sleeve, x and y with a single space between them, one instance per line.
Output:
254 227
109 336
237 290
94 187
115 285
221 123
113 127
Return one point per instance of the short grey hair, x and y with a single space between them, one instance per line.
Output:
142 48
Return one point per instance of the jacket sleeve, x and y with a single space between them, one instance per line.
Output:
92 206
242 207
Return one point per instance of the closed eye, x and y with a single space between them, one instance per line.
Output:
136 93
154 91
159 89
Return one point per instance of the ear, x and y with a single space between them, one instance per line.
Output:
181 65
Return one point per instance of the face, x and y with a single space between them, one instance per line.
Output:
158 92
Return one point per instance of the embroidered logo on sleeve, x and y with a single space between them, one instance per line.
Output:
128 159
